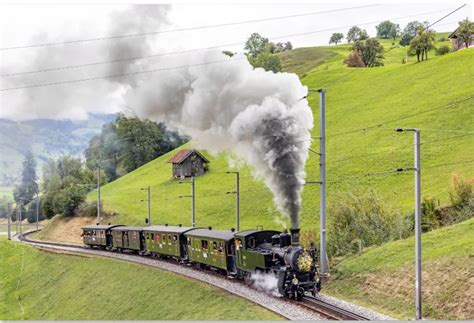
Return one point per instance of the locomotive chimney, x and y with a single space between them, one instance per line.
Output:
295 237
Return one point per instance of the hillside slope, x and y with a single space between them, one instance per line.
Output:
363 108
38 285
384 277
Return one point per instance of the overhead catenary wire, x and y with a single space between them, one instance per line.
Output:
119 60
187 28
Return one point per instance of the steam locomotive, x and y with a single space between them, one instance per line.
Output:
235 254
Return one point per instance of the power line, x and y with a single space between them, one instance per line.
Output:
400 119
196 50
449 14
187 29
121 75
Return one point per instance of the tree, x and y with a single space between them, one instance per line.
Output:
409 32
394 31
465 31
336 38
259 52
66 182
387 29
268 61
256 44
28 188
288 45
355 34
370 52
422 43
114 145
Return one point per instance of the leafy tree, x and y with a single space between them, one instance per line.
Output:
422 43
288 45
354 60
465 31
256 44
409 32
259 52
31 211
336 38
355 34
394 31
387 29
370 52
28 188
267 61
114 145
65 184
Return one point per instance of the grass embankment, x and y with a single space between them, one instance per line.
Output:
37 285
420 95
384 277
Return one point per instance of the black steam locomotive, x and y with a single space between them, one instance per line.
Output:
236 254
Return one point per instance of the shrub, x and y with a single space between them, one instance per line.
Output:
354 60
442 50
442 39
362 220
31 211
87 209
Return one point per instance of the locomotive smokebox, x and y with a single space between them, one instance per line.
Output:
295 237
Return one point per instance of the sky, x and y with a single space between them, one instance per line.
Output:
25 24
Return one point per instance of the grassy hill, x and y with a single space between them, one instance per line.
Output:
37 285
384 277
435 95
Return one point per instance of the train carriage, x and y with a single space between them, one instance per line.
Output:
212 247
128 238
166 240
98 235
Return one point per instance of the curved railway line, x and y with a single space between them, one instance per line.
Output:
310 308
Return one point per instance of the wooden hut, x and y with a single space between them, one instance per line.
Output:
187 163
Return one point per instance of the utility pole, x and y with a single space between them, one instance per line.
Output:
417 170
37 211
237 199
21 228
322 176
98 194
9 221
148 204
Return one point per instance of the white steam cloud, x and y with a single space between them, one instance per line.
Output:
260 117
266 282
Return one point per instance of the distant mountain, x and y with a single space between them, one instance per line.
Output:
46 139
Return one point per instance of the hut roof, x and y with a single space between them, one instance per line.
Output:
182 155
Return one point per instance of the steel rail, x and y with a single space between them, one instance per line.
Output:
330 310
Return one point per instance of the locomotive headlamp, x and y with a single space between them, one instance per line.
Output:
295 281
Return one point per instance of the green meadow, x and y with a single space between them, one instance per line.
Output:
39 285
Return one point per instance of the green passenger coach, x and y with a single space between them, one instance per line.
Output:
166 240
214 248
97 235
130 238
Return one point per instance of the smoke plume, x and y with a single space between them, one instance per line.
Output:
223 103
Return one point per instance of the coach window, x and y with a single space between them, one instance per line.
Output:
189 241
204 244
214 245
175 239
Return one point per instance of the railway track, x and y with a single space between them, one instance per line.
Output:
331 311
323 309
